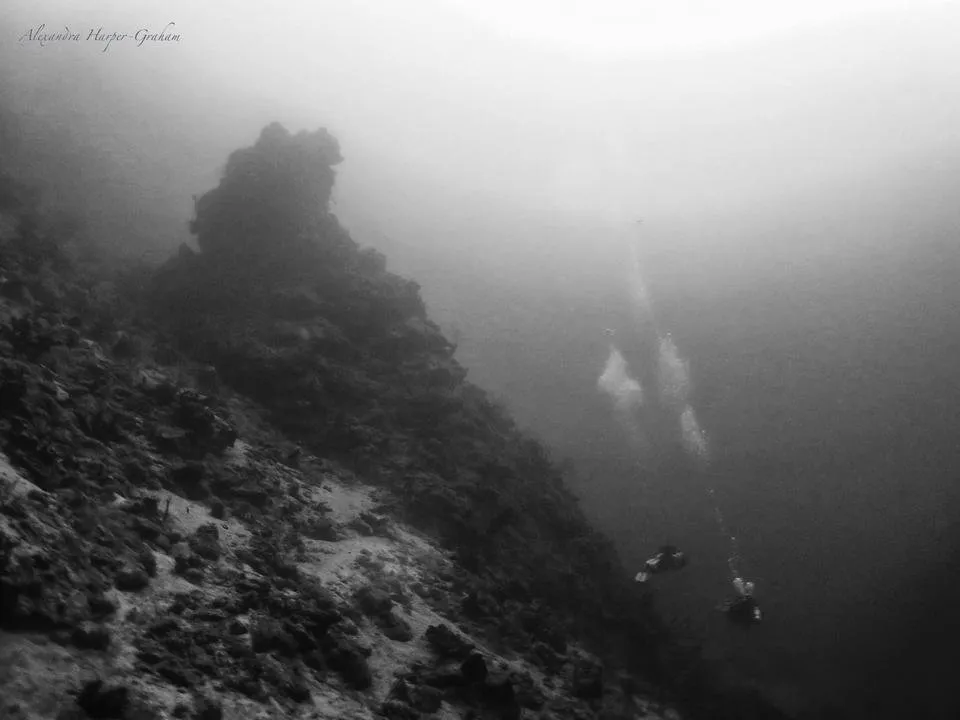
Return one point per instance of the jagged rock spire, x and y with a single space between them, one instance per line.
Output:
271 194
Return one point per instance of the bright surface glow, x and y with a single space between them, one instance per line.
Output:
599 111
628 27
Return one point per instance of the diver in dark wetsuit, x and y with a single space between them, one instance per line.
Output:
668 557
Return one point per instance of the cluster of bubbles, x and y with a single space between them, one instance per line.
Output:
625 392
616 381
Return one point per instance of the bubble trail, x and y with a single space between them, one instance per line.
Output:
674 389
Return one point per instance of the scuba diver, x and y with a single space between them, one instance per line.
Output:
742 609
668 557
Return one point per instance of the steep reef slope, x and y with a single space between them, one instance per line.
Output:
255 483
292 313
